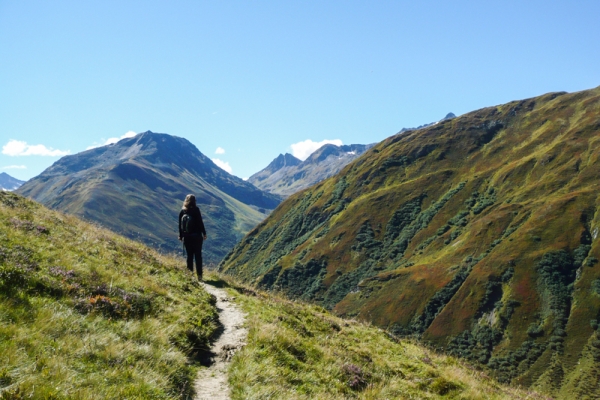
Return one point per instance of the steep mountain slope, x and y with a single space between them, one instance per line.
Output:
287 175
478 234
87 314
7 182
136 187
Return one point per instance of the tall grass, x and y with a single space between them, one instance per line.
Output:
300 351
86 314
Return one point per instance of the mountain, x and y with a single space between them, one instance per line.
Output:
136 187
286 174
478 235
9 183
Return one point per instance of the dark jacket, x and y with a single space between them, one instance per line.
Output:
197 223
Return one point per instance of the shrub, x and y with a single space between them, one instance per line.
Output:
535 330
439 301
596 286
355 376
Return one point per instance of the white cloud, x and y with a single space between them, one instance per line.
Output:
113 140
20 148
222 164
220 150
14 167
304 149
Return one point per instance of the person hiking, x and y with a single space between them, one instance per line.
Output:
192 232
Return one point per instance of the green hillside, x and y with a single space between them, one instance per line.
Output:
86 314
478 235
299 351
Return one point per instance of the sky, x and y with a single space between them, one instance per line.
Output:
247 80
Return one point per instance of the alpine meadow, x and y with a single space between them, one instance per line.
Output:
477 235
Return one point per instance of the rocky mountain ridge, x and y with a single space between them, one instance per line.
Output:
286 174
9 183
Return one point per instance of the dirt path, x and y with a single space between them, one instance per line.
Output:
211 382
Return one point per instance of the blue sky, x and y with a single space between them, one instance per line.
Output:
253 78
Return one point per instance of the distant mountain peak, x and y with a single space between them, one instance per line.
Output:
283 160
9 183
286 174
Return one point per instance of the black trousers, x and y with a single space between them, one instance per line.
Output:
193 248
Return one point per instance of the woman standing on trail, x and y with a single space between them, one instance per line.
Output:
191 230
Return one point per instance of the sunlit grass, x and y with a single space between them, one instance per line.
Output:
86 314
299 351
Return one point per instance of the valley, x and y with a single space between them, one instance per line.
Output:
476 235
136 188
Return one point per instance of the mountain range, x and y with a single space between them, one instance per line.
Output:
136 188
9 183
478 235
286 174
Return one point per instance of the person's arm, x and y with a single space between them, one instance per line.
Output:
202 229
180 230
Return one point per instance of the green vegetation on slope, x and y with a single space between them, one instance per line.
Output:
478 234
299 351
86 314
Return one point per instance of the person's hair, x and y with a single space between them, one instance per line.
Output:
189 202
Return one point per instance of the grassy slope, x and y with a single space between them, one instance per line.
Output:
87 314
299 351
454 233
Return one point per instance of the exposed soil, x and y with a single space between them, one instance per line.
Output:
211 382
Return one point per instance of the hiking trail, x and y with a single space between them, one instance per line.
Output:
211 382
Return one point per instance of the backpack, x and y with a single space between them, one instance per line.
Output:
187 223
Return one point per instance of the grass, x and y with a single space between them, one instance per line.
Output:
300 351
86 314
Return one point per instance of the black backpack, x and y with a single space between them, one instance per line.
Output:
187 223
